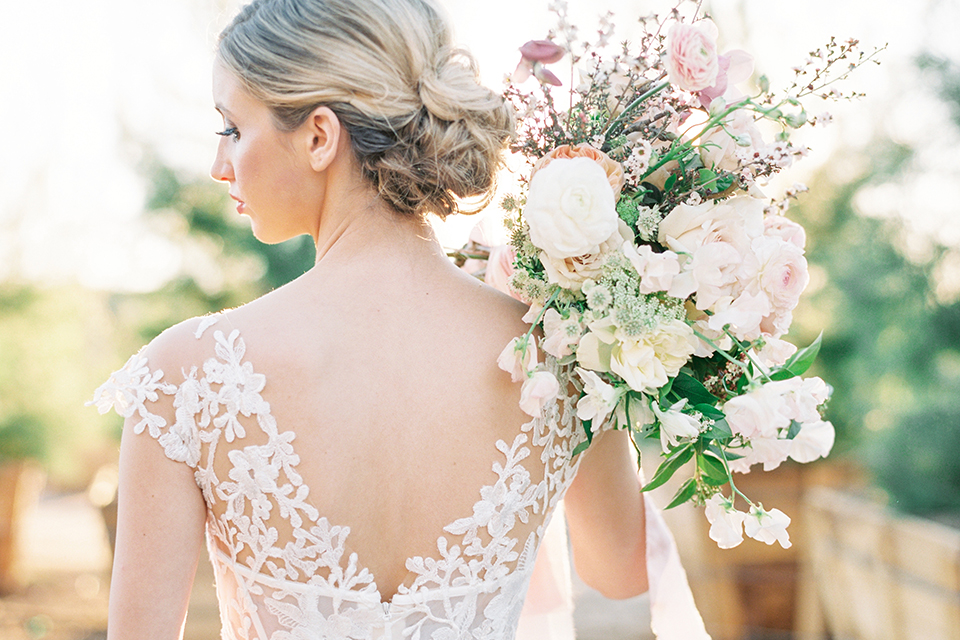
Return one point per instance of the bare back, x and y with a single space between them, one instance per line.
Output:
387 375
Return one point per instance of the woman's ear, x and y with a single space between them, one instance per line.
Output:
324 134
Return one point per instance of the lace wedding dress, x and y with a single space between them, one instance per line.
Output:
283 569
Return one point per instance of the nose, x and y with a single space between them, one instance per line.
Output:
221 170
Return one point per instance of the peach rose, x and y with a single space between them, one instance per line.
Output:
613 168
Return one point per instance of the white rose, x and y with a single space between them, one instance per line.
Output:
782 273
744 315
785 229
646 362
570 208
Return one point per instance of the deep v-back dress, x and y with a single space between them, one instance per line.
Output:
284 571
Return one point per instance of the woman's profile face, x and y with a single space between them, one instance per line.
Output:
269 177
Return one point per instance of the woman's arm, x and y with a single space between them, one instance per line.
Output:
159 538
605 515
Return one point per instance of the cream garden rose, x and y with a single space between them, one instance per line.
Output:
570 208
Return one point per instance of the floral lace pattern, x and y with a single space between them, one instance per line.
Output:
283 572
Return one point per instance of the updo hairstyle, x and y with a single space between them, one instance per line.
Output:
423 129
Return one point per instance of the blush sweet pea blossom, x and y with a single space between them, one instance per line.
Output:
516 361
726 523
767 526
537 390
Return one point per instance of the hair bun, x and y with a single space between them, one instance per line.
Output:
424 130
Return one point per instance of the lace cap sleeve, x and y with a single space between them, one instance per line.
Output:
132 390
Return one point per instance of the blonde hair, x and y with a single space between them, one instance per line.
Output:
424 130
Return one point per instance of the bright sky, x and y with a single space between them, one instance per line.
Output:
86 87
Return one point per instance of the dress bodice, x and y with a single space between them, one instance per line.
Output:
284 572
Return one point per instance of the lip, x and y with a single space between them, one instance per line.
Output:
241 205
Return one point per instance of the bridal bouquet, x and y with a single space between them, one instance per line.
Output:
653 263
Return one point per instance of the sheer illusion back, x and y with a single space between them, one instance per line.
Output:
298 553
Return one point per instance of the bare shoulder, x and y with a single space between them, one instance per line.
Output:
180 346
497 313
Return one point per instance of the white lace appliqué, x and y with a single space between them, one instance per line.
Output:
283 572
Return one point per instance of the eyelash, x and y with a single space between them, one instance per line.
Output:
232 131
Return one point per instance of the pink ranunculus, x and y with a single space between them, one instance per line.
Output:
534 54
691 58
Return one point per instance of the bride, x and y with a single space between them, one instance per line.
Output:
357 460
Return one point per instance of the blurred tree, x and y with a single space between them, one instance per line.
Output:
224 264
891 347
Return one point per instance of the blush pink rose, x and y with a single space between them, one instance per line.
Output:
783 271
785 229
691 58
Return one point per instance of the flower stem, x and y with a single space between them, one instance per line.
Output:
723 353
636 103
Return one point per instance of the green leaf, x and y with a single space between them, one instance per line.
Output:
672 180
706 176
794 429
799 362
728 455
580 448
693 390
764 83
719 430
709 411
686 491
712 468
669 466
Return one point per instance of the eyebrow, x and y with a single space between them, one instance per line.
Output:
221 109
